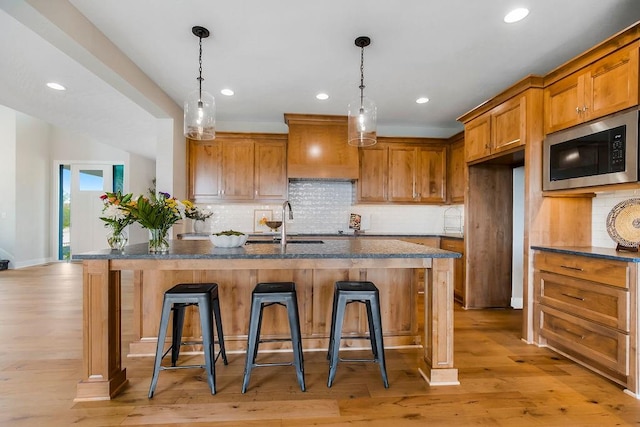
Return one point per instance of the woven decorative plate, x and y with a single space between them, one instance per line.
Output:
623 224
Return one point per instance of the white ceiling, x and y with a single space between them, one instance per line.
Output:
277 55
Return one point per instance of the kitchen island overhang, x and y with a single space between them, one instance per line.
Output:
314 267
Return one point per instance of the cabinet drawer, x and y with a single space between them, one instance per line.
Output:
610 272
603 304
452 245
585 340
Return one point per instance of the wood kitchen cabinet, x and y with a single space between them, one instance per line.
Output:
403 173
204 170
456 169
238 167
456 245
270 170
583 308
608 85
237 163
374 173
318 148
501 129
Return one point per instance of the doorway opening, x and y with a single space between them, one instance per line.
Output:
79 186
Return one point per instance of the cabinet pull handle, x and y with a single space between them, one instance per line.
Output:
574 334
578 110
573 296
572 268
420 292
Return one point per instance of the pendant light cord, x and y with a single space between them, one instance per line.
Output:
361 78
200 79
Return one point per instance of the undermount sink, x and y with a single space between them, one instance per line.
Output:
277 242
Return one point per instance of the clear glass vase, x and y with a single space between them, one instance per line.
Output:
117 240
158 240
199 226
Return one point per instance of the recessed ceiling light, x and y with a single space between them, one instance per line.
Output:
322 96
516 15
56 86
422 100
227 92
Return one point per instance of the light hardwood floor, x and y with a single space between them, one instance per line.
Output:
504 382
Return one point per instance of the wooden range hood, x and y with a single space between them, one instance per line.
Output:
318 149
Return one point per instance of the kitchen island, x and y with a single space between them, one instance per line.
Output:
391 264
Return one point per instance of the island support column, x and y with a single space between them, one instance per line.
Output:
437 364
102 373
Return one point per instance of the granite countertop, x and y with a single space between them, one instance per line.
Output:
337 248
196 236
592 252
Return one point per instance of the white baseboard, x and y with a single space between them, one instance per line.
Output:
30 263
517 303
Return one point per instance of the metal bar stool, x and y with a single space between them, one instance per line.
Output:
264 295
177 299
347 292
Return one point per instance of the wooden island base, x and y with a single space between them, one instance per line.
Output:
395 277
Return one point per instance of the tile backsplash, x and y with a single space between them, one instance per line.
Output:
324 207
601 205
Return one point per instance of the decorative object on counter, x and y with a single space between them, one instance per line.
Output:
355 221
362 112
116 216
158 213
199 216
453 220
229 239
623 225
273 225
200 106
260 218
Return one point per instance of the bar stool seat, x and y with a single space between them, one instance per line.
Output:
264 295
177 299
347 292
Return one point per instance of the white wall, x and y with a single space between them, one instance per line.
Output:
33 192
517 257
7 184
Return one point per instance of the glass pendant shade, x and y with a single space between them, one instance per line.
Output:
362 122
200 116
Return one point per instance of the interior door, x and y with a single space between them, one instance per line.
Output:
88 183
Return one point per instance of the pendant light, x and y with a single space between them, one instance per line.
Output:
200 106
362 112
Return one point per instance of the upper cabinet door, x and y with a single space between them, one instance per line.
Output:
204 171
455 172
477 137
611 84
374 165
508 124
271 170
237 161
431 174
403 170
561 103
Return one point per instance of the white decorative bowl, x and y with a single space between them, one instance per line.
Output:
232 241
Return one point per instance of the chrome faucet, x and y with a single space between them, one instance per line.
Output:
283 237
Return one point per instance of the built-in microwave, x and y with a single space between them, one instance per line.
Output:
601 152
